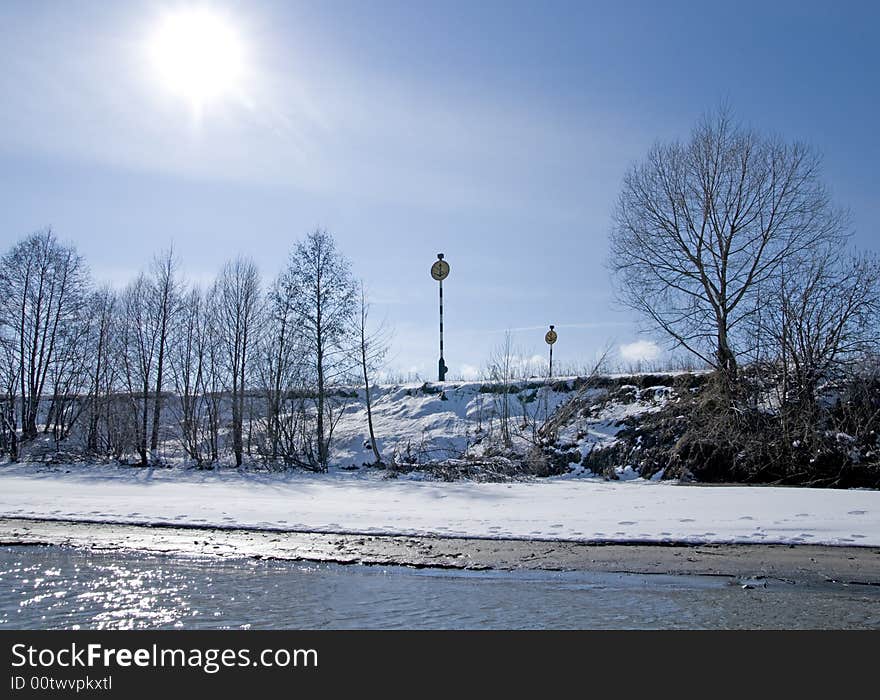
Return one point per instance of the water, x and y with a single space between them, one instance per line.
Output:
55 587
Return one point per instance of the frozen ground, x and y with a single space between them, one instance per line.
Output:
580 509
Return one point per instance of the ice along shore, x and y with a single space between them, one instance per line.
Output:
795 564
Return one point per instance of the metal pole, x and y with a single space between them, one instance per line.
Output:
439 270
550 338
442 367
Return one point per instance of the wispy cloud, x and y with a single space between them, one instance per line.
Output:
640 351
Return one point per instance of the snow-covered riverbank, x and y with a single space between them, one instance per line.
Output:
576 509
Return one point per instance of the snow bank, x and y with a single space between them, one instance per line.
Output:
421 422
557 509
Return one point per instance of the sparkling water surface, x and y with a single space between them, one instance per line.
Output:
57 587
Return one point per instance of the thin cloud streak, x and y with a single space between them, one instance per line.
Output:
571 326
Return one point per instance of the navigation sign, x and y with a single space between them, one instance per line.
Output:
440 269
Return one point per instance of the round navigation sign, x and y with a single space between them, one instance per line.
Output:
551 336
440 269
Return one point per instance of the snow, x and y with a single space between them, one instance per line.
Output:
569 508
455 419
433 421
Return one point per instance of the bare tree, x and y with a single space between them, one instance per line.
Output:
237 294
69 374
188 368
324 293
502 371
372 349
199 369
826 320
8 381
212 377
700 227
102 308
139 339
280 372
42 285
165 306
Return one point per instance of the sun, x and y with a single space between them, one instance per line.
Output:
197 55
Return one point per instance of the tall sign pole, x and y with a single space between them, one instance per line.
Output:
440 271
550 338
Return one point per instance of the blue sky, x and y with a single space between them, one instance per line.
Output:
496 132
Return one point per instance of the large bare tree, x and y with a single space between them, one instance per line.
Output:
702 226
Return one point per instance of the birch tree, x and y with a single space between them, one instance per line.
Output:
324 294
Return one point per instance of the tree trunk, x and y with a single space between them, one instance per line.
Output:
236 422
367 389
142 438
157 402
322 450
322 447
727 364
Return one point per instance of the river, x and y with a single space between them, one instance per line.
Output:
61 587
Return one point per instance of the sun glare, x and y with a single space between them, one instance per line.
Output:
197 55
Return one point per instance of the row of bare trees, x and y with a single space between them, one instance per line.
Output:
730 245
162 366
